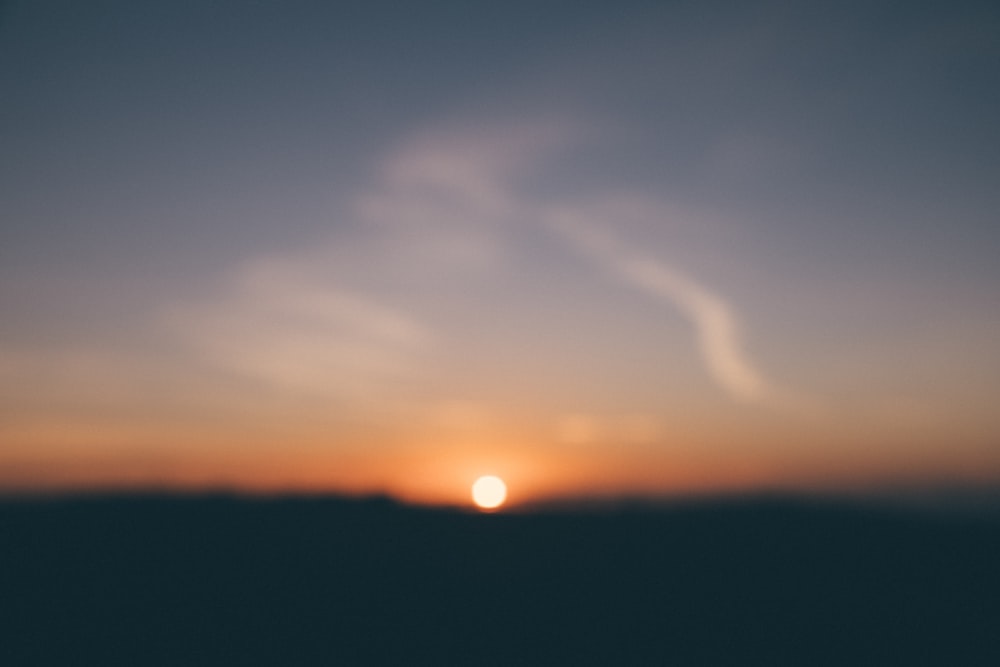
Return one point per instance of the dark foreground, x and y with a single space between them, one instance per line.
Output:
217 581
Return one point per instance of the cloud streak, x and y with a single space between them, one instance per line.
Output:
441 207
716 325
295 330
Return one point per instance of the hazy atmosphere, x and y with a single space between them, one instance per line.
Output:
596 249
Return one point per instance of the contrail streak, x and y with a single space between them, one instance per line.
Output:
716 326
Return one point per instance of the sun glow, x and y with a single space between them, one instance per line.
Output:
489 492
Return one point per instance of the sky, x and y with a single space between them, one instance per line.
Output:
597 249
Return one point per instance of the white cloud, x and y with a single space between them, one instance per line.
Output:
297 329
715 323
473 165
440 208
330 319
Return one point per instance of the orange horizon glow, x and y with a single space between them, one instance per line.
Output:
442 475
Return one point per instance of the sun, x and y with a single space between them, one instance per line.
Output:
489 492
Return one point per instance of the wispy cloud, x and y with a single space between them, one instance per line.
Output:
295 330
440 207
337 318
455 171
476 164
716 325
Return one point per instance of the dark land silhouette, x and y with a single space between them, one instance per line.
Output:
218 580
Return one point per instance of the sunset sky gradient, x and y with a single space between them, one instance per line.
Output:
639 248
